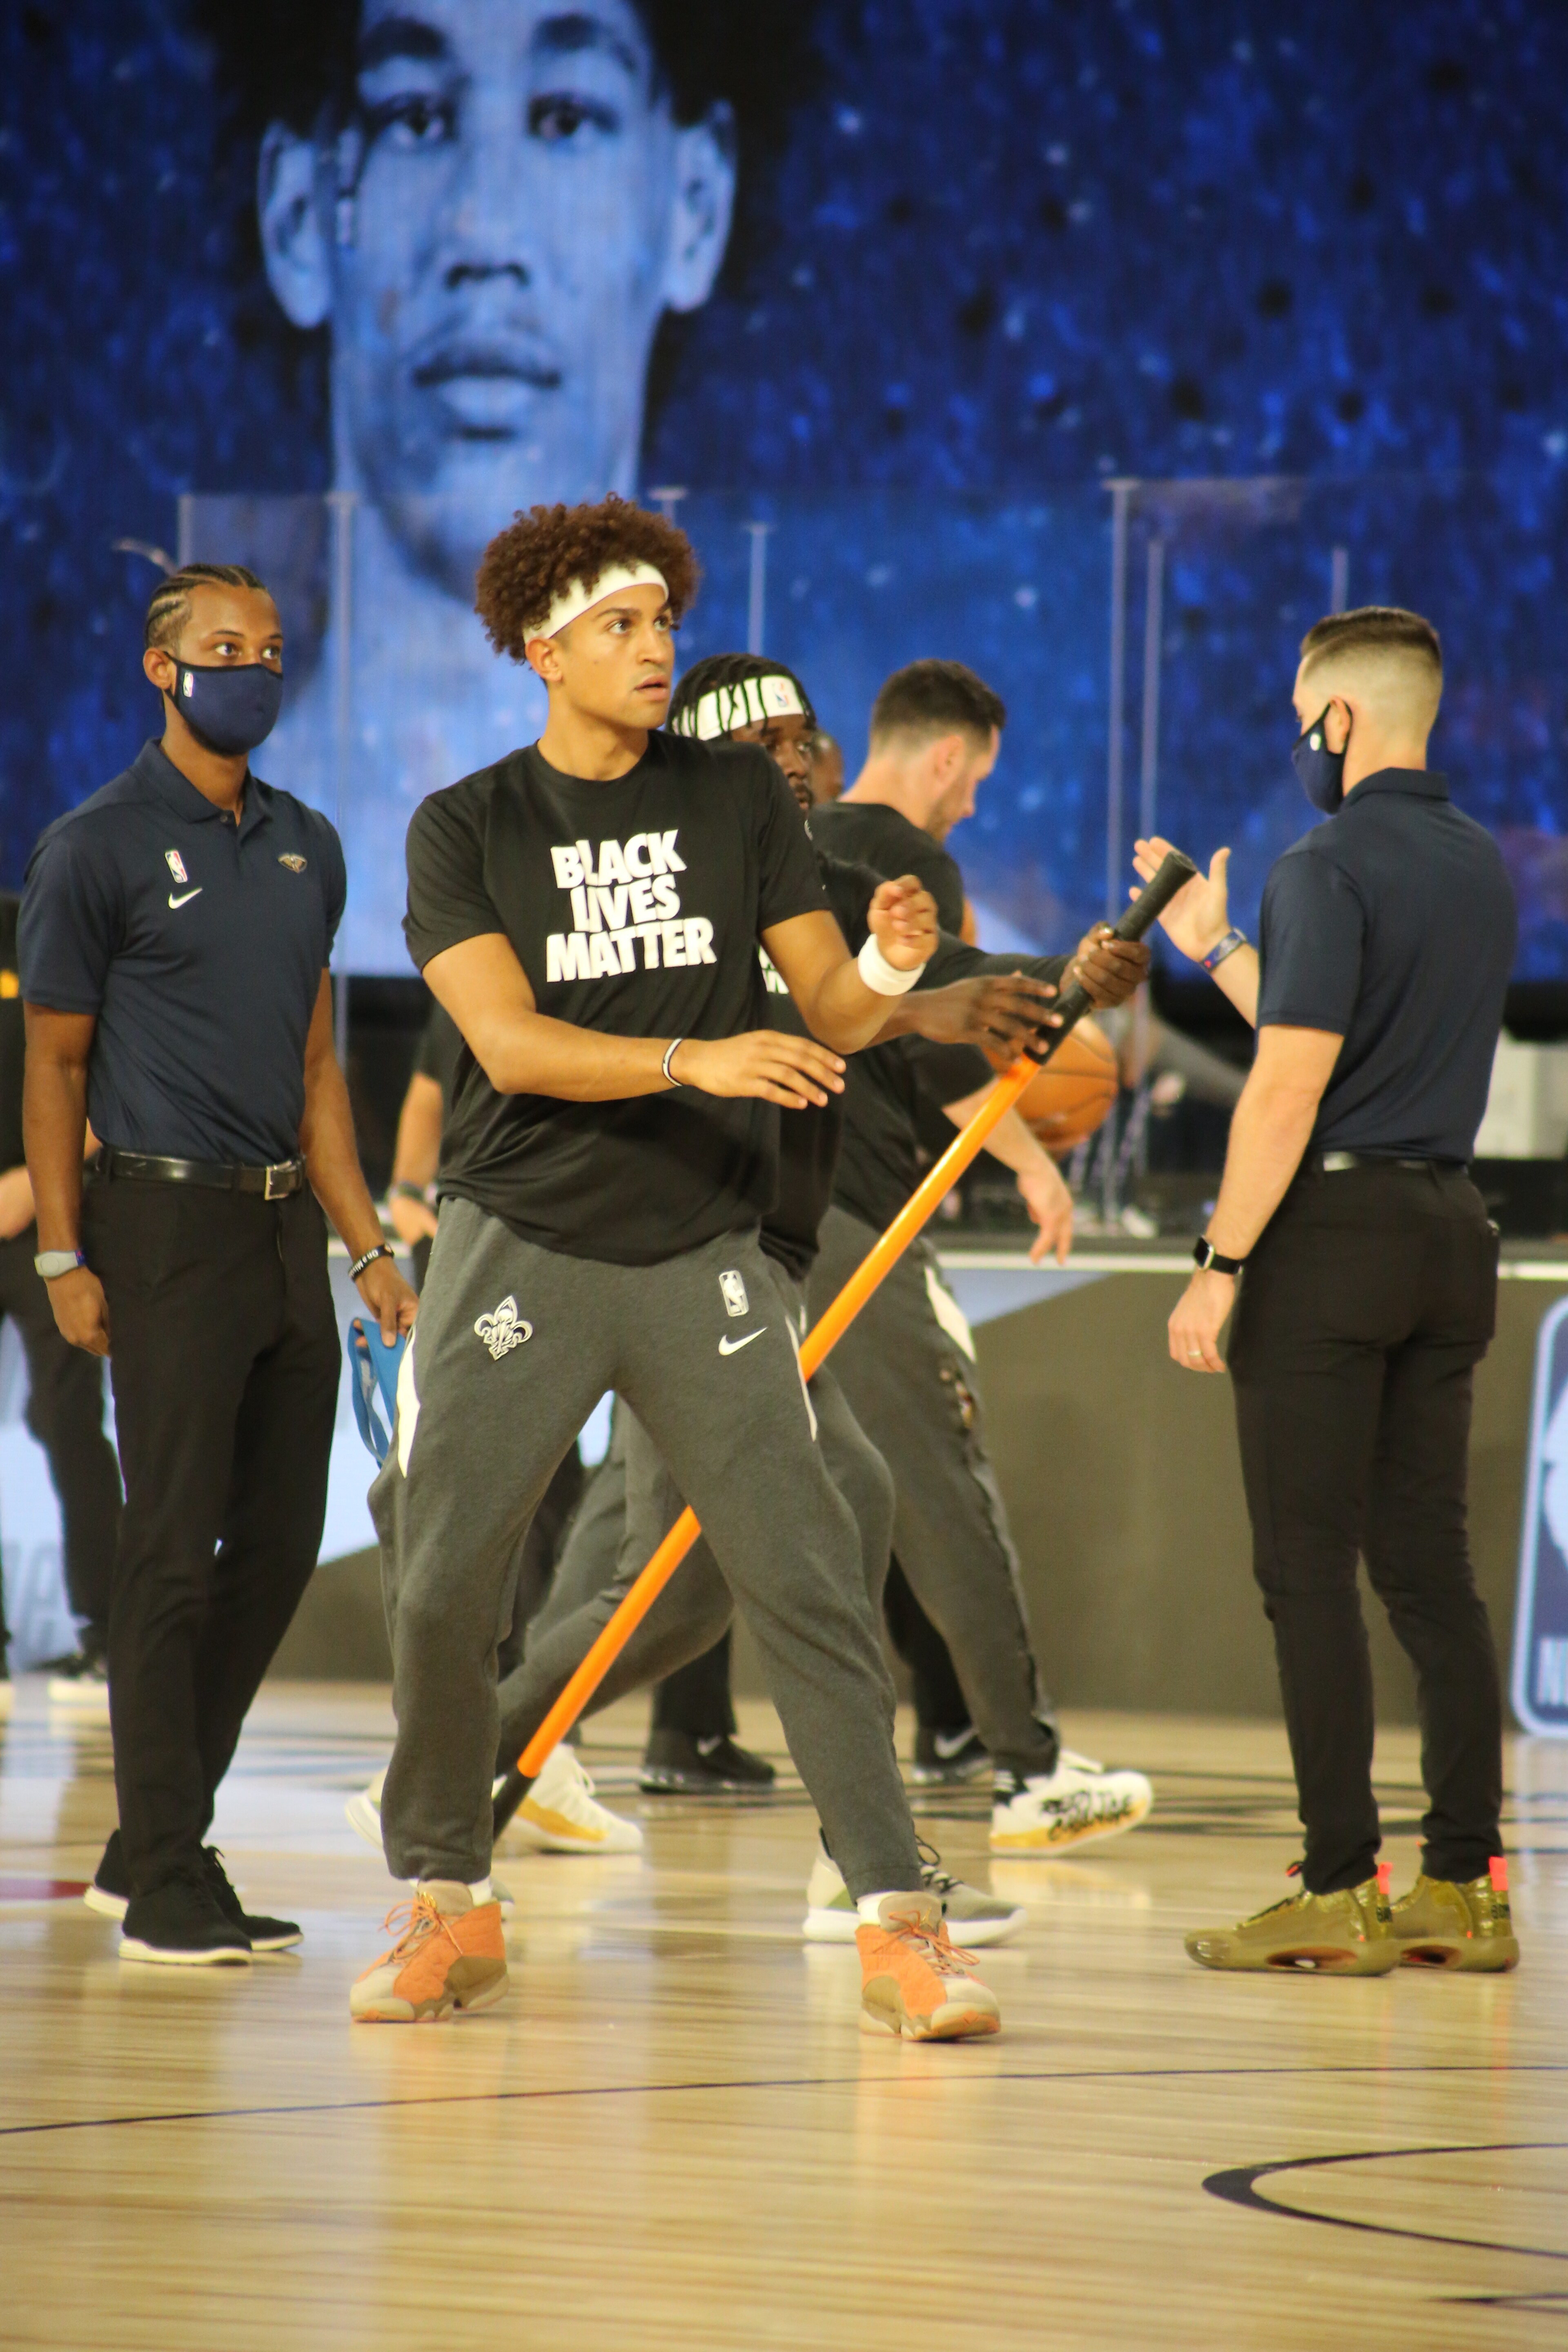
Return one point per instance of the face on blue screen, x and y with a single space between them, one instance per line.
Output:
493 237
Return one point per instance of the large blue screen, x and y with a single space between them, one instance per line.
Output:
892 294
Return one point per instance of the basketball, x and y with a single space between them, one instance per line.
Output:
1073 1094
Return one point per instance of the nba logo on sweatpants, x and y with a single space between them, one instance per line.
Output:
734 1294
1540 1624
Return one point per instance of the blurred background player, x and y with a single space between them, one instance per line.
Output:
908 1362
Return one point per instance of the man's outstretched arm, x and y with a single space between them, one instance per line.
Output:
522 1051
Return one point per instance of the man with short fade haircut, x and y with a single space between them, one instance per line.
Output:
907 1364
1368 1298
589 910
495 210
175 938
936 730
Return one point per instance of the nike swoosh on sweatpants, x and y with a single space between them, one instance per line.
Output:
733 1347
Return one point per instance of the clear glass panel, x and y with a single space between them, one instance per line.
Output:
394 692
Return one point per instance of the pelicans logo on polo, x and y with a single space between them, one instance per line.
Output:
293 861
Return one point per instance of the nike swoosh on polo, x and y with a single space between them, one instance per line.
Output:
733 1347
187 899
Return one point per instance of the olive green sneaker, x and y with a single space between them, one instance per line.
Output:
1443 1924
1347 1934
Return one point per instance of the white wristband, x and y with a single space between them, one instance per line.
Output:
881 977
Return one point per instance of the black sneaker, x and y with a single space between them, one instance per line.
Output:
263 1935
944 1759
678 1764
180 1924
5 1685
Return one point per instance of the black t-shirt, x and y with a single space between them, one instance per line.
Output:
890 1089
634 907
13 1036
869 833
861 1150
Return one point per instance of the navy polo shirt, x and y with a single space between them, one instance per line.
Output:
1394 926
198 945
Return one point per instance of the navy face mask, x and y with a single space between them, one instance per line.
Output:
230 710
1322 771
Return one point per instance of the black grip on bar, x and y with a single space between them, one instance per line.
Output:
1175 872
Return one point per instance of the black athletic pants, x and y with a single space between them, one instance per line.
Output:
225 1367
939 1701
64 1413
1364 1308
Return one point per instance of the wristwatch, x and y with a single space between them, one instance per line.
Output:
52 1263
1207 1259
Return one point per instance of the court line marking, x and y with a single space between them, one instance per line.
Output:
1239 2186
1241 2174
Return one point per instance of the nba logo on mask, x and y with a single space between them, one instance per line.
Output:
177 865
734 1295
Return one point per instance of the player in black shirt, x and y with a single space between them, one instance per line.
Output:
742 698
908 1361
588 911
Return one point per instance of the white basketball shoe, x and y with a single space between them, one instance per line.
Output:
1078 1802
560 1813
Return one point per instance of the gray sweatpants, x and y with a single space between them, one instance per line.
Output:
631 1507
513 1347
913 1388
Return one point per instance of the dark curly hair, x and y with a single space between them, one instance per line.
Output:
541 552
729 669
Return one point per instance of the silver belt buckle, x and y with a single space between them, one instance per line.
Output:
282 1168
1336 1162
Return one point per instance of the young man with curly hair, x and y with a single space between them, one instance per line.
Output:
588 910
740 698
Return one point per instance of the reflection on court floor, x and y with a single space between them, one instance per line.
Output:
673 2134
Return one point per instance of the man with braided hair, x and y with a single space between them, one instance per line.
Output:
589 910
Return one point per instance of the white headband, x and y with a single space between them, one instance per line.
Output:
749 702
582 595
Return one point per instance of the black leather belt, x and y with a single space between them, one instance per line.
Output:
1333 1164
274 1183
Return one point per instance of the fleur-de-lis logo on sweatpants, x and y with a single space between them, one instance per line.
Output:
503 1328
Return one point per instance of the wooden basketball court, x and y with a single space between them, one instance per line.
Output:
673 2135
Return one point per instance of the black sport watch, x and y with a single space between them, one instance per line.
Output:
1207 1259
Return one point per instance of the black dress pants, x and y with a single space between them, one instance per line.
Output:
64 1413
226 1365
1364 1308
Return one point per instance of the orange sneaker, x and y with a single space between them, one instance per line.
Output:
913 1981
450 1955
